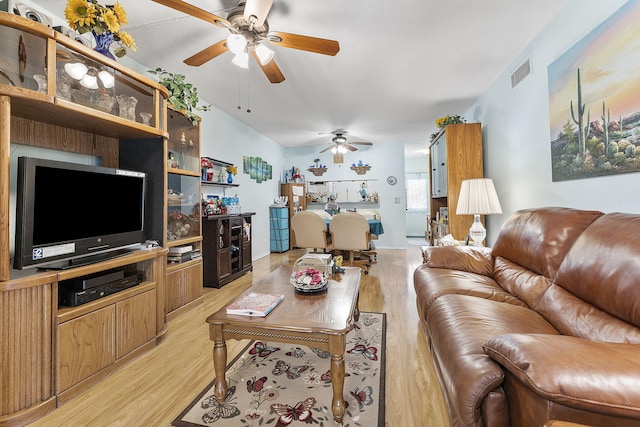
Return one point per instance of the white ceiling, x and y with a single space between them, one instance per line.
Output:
402 64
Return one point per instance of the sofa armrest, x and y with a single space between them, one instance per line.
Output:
589 375
471 259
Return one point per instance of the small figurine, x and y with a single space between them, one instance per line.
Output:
337 265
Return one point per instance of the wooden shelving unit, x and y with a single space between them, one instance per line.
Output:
455 155
226 248
65 350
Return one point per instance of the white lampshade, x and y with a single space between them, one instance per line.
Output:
478 197
76 70
107 79
241 60
255 11
264 54
236 43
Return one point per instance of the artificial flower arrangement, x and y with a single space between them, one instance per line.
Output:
442 122
88 15
205 163
308 278
232 169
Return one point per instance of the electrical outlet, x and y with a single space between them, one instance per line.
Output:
396 200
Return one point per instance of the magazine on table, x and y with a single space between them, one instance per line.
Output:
254 304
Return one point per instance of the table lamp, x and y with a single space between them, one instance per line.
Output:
478 197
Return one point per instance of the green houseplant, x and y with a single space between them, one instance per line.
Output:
183 96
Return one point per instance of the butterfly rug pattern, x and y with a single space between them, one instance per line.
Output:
276 384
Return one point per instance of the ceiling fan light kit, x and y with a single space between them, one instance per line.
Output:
264 53
241 59
249 33
236 43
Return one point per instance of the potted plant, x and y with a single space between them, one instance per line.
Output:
183 96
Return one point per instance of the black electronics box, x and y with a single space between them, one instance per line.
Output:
94 280
68 295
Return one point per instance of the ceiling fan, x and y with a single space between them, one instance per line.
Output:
249 31
340 145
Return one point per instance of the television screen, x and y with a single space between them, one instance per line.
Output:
68 211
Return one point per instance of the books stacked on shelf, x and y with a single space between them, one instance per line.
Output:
178 254
254 304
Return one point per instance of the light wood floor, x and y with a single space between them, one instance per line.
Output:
154 388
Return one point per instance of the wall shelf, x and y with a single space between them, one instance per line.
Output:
361 170
317 171
219 184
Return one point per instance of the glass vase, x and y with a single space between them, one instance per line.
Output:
229 178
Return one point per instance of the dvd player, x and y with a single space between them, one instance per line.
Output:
69 296
97 279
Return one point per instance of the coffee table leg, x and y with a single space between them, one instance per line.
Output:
337 347
220 366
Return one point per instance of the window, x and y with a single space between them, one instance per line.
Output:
417 191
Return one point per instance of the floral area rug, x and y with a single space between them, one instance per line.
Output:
275 384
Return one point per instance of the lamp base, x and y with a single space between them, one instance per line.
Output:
477 231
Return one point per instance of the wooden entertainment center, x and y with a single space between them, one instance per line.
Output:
50 352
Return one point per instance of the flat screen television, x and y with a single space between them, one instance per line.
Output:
68 214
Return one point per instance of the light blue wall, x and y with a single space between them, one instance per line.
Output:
515 129
225 138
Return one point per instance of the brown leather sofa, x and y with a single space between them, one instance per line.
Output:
543 326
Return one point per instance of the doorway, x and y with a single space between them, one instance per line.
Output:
417 197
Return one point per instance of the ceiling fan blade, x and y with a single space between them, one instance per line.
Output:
361 143
350 147
257 8
271 69
307 43
194 11
207 54
327 149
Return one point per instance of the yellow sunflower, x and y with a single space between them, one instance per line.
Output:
127 40
120 13
110 20
80 13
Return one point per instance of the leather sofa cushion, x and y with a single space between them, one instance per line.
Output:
603 266
458 326
519 282
538 239
431 283
462 258
585 374
572 316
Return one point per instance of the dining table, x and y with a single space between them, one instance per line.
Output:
375 226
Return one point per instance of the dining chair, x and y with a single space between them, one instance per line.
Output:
310 231
350 232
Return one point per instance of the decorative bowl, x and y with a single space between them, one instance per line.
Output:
309 280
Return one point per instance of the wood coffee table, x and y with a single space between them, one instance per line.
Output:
315 320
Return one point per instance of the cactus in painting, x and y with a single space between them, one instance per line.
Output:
583 131
605 129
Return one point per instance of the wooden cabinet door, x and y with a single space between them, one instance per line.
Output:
246 254
136 322
85 345
224 263
183 286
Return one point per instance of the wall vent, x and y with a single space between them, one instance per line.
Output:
523 71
